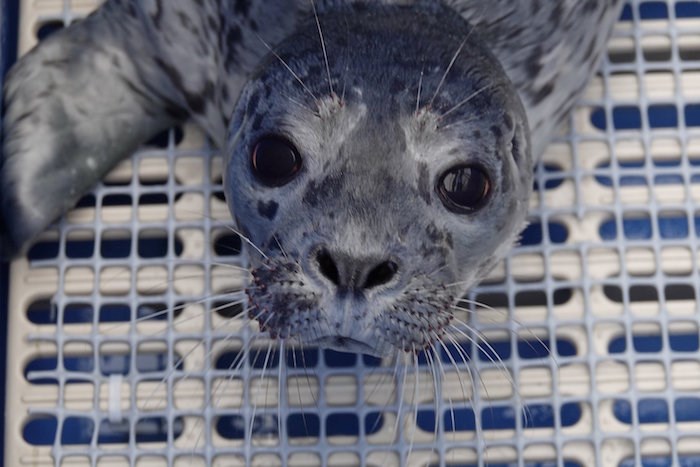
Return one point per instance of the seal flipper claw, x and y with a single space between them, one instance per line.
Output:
75 106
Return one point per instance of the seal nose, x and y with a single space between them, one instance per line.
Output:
357 274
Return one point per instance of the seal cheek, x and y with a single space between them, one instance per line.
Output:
268 209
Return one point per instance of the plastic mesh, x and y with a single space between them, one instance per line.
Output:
122 338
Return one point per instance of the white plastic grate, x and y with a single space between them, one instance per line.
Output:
607 278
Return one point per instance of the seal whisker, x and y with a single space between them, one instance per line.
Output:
420 88
487 349
199 315
308 382
416 385
514 332
437 386
235 366
459 379
323 46
165 311
476 410
308 378
282 363
252 399
466 100
497 361
449 67
174 369
289 69
248 241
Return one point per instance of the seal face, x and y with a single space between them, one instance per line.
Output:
378 154
399 181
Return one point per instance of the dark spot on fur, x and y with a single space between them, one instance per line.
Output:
257 122
268 209
242 7
497 133
397 86
253 102
534 66
316 192
433 233
424 185
544 92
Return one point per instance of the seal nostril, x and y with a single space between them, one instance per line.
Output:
327 266
381 274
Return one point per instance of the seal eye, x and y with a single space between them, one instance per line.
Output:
275 161
464 189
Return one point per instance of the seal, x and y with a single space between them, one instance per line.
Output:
378 155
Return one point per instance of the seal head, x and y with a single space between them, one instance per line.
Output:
380 161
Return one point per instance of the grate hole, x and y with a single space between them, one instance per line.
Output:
632 173
78 313
552 177
637 293
228 309
663 116
652 343
533 233
40 430
87 201
303 425
115 244
43 250
42 312
656 48
234 426
679 292
80 249
653 10
688 9
342 424
48 28
153 243
147 430
648 411
158 312
114 313
659 461
228 245
116 200
257 358
692 115
263 359
689 47
687 409
626 14
624 118
77 430
336 359
162 139
154 199
306 358
146 362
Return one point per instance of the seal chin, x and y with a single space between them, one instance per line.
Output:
347 344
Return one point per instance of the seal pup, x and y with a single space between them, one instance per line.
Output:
378 154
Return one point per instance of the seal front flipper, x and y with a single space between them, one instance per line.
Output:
75 106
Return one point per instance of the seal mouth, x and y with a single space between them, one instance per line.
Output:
345 344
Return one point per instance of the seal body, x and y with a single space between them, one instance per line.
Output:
411 128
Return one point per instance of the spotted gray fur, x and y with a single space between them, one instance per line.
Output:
377 121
